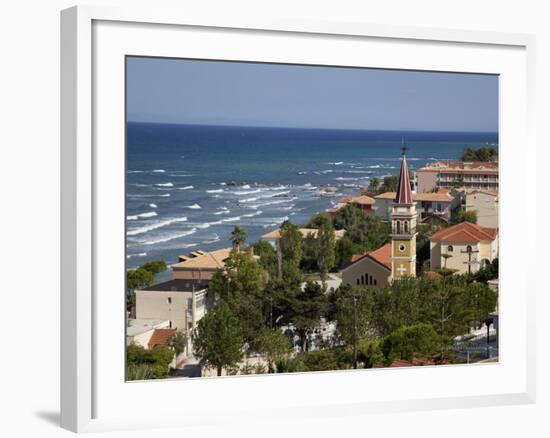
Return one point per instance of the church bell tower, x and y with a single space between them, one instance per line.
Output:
403 226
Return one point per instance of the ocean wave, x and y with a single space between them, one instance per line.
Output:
215 191
256 213
194 207
168 184
336 163
248 200
248 192
246 186
265 204
217 213
141 185
158 171
141 254
186 188
171 237
153 205
135 171
214 239
154 226
166 195
141 215
342 178
230 219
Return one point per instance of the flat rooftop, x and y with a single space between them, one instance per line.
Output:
176 285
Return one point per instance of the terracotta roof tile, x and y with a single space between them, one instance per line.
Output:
161 337
381 256
465 232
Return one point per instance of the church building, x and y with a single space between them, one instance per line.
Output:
396 259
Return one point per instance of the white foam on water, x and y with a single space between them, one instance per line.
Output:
186 188
158 170
141 215
246 186
203 225
168 184
217 213
171 237
248 200
194 207
153 205
230 219
167 195
141 254
215 191
154 226
336 163
135 171
256 213
249 192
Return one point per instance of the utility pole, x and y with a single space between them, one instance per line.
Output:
354 332
470 251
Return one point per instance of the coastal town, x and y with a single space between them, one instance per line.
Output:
402 273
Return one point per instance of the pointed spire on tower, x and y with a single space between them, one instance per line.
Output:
404 193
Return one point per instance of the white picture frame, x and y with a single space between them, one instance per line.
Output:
93 40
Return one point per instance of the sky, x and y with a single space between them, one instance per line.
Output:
281 95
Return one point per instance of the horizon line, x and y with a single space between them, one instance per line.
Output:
306 127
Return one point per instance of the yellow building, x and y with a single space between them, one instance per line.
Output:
465 247
396 259
484 203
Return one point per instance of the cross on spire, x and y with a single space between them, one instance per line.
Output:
404 193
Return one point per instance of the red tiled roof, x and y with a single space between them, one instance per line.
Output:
161 337
381 256
465 232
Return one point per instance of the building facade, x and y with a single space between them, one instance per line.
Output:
196 269
464 247
457 174
172 301
440 204
484 203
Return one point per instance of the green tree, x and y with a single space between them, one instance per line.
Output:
467 216
409 341
178 342
389 183
343 252
267 257
218 340
318 360
290 253
480 154
325 251
308 262
241 287
374 185
136 279
238 237
307 308
274 345
148 363
155 267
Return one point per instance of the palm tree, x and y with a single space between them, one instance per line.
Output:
238 237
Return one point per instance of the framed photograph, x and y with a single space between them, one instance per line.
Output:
286 216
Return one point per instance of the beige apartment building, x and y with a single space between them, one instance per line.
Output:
484 203
439 204
456 174
470 247
172 301
197 268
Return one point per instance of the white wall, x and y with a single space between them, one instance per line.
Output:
29 169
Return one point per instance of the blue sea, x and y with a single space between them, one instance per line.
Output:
189 185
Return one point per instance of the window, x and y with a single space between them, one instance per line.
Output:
169 300
401 248
450 248
362 279
397 227
375 281
469 248
406 226
370 280
358 281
